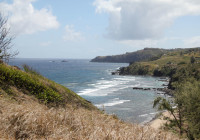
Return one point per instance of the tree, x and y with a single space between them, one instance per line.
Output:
185 108
164 104
5 41
189 94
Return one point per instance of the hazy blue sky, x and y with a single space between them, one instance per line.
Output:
89 28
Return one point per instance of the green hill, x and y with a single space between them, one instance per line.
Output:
32 83
169 64
140 55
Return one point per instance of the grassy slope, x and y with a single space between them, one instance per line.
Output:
33 107
169 61
43 89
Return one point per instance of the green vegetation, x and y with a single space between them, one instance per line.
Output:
183 68
166 65
34 84
185 109
145 54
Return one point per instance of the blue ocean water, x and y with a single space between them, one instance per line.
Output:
94 82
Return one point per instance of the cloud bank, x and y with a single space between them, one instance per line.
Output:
143 19
25 19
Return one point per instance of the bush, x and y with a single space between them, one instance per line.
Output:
22 80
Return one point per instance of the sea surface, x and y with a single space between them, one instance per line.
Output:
94 82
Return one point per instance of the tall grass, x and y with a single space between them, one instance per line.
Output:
31 120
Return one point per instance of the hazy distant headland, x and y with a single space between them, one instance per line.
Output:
140 55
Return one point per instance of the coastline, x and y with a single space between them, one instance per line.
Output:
159 121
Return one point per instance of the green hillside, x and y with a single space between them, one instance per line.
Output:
165 65
32 83
139 55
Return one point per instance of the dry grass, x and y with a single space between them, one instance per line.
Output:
31 120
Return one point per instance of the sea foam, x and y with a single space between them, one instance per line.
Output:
112 102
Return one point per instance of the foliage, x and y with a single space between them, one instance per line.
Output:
22 80
186 114
137 69
28 69
166 70
164 104
45 90
189 94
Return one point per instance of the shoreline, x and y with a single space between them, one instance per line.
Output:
159 121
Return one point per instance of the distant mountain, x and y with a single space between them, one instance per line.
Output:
140 55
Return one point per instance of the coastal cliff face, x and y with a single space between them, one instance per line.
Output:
130 57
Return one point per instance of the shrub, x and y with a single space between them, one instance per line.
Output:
23 80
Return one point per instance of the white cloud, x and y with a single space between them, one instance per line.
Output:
143 19
71 34
25 19
192 42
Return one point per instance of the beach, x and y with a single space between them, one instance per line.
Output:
158 122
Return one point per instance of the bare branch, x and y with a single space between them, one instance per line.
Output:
5 41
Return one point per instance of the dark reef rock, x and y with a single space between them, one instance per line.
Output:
138 88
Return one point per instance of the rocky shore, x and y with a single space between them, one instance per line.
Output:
164 90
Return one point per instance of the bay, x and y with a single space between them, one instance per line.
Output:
94 82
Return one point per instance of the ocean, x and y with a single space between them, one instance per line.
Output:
94 82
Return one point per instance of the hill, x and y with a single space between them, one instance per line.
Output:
169 64
139 55
31 83
33 107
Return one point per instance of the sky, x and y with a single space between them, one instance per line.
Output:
84 29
